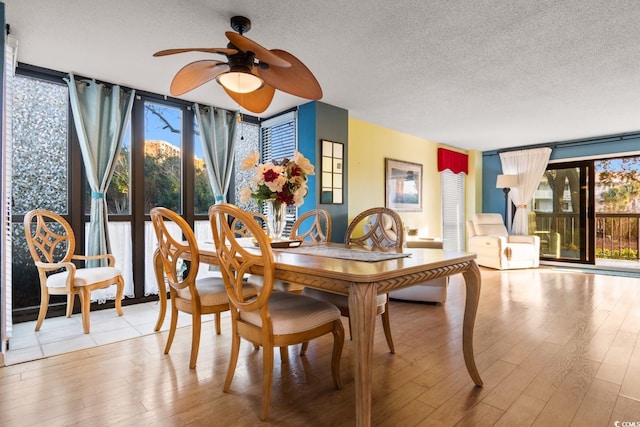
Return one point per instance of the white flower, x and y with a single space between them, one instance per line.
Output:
298 196
304 163
250 161
276 186
245 195
284 181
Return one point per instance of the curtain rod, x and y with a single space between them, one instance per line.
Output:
572 143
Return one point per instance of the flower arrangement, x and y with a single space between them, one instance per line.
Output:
283 182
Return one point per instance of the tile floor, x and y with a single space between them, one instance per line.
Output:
61 335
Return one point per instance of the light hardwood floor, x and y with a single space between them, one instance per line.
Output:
554 348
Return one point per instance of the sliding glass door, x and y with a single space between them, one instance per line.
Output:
561 213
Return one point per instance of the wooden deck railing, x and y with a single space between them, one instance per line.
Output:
617 236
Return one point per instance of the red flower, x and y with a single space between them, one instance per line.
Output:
270 175
285 196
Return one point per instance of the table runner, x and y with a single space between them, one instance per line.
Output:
344 253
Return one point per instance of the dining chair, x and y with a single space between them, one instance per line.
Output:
188 294
241 229
313 227
271 319
52 245
377 228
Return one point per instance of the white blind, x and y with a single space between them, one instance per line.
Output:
6 320
452 190
278 140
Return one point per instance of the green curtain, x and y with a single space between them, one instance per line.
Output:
101 115
217 135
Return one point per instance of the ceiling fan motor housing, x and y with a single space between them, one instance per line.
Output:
240 24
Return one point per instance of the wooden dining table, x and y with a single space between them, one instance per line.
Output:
362 281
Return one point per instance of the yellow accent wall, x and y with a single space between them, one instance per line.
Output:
369 145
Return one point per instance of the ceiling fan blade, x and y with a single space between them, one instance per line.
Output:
221 50
264 55
256 101
196 74
296 80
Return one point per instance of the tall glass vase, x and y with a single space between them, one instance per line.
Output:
276 214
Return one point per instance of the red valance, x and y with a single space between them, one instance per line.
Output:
452 160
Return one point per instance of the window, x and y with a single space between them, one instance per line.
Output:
279 141
160 164
40 146
40 178
203 196
162 157
452 190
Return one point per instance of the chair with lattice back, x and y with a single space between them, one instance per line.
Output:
378 228
271 319
312 226
196 297
52 244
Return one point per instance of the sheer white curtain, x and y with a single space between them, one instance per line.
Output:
150 245
529 166
202 231
121 248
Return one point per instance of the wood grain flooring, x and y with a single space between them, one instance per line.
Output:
554 348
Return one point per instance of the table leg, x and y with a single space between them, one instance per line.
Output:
162 290
362 314
472 281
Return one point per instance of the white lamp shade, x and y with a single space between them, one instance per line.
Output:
240 82
507 181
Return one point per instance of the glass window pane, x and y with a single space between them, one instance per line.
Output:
203 193
162 157
118 194
40 155
249 139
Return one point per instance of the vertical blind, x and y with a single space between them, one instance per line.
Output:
6 305
452 190
278 140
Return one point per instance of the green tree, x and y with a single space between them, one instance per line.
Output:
118 193
162 182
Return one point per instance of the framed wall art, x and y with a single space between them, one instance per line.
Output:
403 185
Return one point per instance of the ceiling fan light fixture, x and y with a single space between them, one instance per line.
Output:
240 81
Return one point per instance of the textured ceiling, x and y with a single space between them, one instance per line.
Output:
481 74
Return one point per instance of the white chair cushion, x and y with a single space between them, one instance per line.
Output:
338 300
489 224
212 291
83 277
292 313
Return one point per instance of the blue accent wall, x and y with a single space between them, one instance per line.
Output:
318 121
606 146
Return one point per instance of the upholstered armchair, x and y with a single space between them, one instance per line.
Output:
495 248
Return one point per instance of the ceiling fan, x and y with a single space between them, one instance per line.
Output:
251 73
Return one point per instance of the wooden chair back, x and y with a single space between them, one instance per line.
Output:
242 231
50 239
172 248
382 229
236 259
317 225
